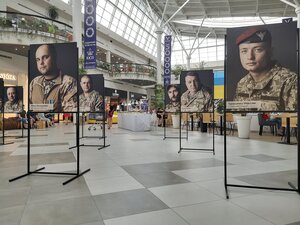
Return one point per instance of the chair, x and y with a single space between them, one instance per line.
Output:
230 123
262 123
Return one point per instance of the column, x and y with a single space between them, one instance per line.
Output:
188 62
77 24
108 57
159 32
3 4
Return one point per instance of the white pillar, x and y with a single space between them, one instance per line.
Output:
3 5
297 10
159 32
108 55
77 24
188 62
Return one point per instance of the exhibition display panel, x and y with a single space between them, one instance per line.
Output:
196 96
261 76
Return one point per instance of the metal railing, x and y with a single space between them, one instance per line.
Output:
34 24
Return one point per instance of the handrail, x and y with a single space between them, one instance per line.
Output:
30 23
33 15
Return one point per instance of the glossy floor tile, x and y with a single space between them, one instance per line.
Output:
141 179
127 203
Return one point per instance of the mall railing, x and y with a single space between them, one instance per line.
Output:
34 24
40 25
133 68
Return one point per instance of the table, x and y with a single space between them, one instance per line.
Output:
288 117
134 121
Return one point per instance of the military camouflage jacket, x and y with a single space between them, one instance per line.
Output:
13 107
172 108
61 92
278 91
92 103
201 102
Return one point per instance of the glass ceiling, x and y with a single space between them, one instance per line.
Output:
130 20
127 19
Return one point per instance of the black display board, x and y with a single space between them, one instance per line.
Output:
196 88
53 77
61 88
91 93
13 99
284 40
172 98
262 68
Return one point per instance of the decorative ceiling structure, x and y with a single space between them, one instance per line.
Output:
186 16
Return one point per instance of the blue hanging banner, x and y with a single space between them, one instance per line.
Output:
167 60
90 34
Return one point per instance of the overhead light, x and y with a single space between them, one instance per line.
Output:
16 49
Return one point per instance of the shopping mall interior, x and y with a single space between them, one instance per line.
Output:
138 159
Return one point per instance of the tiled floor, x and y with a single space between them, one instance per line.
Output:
142 180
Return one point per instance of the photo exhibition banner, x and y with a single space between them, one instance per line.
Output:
172 98
196 88
13 99
262 68
91 93
90 34
53 74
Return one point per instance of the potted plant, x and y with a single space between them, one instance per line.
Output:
176 71
53 15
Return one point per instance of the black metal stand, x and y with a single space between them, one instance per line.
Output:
3 132
37 171
165 130
197 149
76 174
98 137
22 133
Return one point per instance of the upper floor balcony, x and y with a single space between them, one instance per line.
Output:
25 29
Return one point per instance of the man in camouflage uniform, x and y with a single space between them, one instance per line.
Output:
173 94
90 100
196 98
52 87
13 104
273 86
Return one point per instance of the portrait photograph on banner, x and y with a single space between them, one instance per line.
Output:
196 88
53 74
262 68
172 98
13 99
91 93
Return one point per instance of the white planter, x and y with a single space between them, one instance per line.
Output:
243 124
175 121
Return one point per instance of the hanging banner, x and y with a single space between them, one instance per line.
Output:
167 60
90 33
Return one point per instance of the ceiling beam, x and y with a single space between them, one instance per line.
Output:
289 3
176 12
163 14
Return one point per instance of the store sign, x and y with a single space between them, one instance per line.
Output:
90 33
7 76
167 60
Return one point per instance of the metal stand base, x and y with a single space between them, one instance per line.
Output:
37 171
196 149
75 177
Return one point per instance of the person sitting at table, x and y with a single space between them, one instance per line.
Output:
267 117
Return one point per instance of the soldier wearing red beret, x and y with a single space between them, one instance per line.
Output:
267 82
